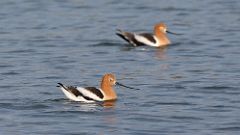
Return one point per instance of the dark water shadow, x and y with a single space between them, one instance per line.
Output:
106 43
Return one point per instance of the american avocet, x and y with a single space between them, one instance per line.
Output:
158 39
92 94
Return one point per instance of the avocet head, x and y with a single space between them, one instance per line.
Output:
110 79
163 28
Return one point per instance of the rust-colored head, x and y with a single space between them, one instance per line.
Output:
109 79
160 27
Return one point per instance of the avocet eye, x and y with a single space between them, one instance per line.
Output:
163 28
110 79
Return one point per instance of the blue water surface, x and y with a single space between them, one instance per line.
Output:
188 88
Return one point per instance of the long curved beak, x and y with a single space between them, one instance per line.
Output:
172 33
117 83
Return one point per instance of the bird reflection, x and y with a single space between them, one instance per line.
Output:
161 53
109 104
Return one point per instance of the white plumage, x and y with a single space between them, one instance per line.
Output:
144 40
82 94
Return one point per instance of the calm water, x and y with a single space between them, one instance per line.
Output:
188 88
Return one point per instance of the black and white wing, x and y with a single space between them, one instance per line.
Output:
88 94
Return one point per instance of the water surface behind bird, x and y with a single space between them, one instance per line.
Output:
190 87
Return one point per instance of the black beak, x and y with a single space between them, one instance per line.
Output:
117 83
172 33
